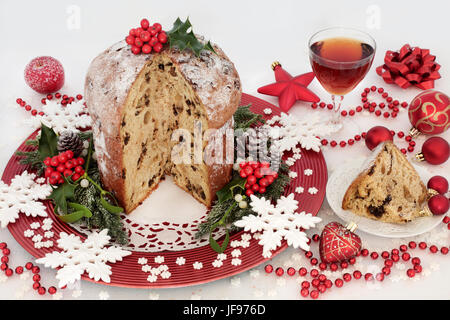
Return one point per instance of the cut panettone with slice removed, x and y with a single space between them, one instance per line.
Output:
388 190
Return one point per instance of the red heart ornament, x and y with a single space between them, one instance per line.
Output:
339 243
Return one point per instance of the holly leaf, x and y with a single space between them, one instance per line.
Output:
226 192
47 142
61 194
180 37
215 245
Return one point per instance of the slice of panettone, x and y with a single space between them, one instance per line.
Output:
388 190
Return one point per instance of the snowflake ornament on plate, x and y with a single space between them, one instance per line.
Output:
305 131
71 117
78 257
22 195
277 223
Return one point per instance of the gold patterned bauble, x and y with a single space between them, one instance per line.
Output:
429 113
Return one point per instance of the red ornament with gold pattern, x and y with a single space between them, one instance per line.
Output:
429 113
339 243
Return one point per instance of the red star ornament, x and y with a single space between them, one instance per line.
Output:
289 89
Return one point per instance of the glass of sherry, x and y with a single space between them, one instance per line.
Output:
340 59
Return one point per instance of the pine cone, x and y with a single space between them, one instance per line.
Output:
69 140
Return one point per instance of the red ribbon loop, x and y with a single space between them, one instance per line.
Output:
410 66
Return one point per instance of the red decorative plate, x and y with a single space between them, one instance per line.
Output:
128 273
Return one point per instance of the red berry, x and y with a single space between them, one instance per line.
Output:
157 47
62 158
258 173
248 170
138 32
44 74
153 31
290 271
145 36
263 182
67 173
132 32
146 48
153 41
162 37
138 42
48 171
28 265
35 269
339 283
80 161
61 168
242 165
130 40
135 49
36 285
36 278
242 174
9 272
157 26
55 175
76 176
78 169
251 180
145 24
79 97
270 179
54 161
5 259
255 187
248 192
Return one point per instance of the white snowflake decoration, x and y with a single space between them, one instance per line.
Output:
277 223
304 131
313 190
78 257
180 261
308 172
22 195
71 117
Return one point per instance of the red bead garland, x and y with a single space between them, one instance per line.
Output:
391 104
320 283
9 272
65 100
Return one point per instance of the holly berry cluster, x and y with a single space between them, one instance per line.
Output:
63 165
259 176
146 38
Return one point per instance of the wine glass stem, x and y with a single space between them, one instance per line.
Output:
337 101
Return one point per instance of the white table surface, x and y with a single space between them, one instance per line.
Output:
253 34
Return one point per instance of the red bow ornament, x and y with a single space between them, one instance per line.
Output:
410 66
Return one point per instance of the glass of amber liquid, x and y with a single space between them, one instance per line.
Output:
340 59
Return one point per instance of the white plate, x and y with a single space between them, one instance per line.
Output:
337 186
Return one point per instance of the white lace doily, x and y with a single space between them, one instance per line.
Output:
167 220
337 185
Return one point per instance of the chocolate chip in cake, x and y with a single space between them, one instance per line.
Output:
161 66
173 72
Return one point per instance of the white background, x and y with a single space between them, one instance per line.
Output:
253 34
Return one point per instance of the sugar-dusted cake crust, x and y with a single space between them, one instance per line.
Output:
388 189
121 93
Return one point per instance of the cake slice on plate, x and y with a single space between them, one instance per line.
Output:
388 189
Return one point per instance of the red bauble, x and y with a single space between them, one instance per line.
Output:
288 88
429 113
338 243
438 204
376 135
44 75
438 184
435 150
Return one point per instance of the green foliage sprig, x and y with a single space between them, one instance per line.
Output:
182 36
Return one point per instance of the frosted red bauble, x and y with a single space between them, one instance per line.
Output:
438 184
438 204
429 112
337 243
435 150
376 135
44 75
